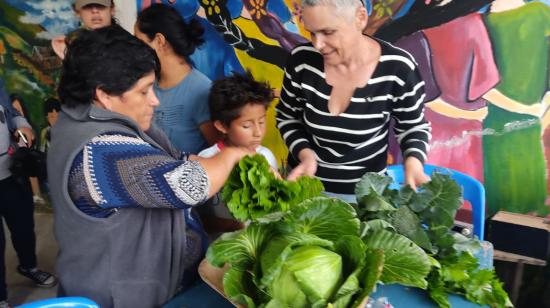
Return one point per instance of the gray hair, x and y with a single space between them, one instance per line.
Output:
343 7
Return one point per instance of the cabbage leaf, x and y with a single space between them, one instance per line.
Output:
404 262
327 218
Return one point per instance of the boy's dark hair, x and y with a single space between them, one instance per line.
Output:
109 58
51 104
230 94
183 37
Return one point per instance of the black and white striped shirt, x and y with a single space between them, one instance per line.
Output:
355 141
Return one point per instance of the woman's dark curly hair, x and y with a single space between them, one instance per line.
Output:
183 37
110 59
230 94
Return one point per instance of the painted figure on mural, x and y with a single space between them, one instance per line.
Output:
464 70
418 15
514 157
453 63
220 17
270 25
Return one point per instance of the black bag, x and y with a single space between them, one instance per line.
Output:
28 162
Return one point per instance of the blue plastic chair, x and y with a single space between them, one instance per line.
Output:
472 190
62 302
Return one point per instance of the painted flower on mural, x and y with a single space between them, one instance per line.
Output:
258 8
211 7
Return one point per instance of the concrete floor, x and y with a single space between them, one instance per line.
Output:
20 289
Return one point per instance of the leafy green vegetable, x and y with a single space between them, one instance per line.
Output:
443 201
313 257
404 262
370 274
252 191
353 252
279 249
327 218
238 286
426 217
241 249
374 202
313 270
372 182
461 275
406 222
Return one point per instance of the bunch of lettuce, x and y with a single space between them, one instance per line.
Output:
426 217
314 256
252 191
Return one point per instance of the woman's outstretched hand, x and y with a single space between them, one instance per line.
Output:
307 166
414 173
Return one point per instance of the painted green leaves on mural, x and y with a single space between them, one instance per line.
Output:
383 7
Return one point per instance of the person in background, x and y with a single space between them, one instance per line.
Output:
52 106
338 96
93 14
238 106
182 90
116 183
19 105
16 203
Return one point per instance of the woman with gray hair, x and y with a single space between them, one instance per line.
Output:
340 92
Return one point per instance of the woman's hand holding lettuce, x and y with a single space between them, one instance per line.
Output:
252 191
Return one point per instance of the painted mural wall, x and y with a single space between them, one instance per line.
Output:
485 64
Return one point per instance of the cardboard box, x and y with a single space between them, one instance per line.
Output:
520 234
213 276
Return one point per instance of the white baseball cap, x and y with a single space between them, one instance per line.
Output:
82 3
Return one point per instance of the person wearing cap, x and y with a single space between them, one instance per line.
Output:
93 14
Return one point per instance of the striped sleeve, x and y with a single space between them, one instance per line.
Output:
125 171
290 110
411 128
